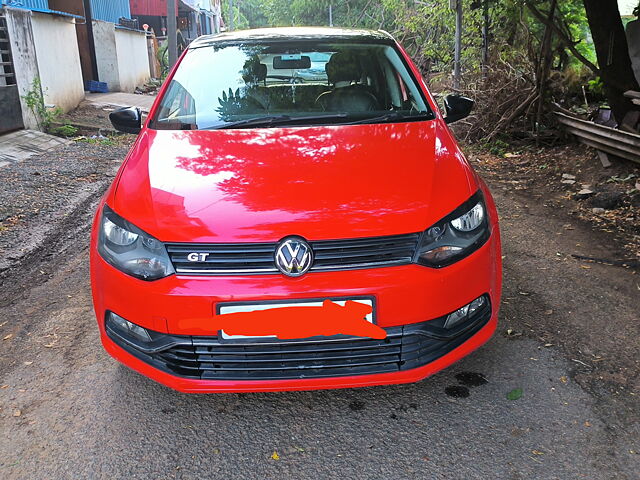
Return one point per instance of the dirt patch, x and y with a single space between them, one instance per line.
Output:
43 192
571 178
553 292
88 119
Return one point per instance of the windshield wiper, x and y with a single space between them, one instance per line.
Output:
393 116
277 120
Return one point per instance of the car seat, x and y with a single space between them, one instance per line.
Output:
344 73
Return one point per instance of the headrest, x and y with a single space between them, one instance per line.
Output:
254 71
342 67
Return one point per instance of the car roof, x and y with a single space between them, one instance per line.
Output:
293 34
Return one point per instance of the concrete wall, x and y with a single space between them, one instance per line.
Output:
121 56
58 60
106 56
133 61
24 57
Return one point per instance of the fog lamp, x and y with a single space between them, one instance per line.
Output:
464 313
131 328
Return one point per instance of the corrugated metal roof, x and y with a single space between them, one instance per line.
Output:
110 10
29 4
41 6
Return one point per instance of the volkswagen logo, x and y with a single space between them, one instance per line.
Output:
294 256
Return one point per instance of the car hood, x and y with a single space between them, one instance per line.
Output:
260 185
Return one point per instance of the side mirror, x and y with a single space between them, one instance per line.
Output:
457 107
127 120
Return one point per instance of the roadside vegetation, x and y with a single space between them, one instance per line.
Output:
518 57
521 60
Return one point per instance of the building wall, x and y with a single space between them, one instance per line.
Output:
121 55
58 60
133 61
106 55
150 7
24 57
45 46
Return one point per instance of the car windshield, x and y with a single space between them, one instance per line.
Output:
265 85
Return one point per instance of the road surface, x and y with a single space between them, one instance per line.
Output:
568 339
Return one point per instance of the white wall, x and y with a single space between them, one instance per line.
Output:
24 57
133 60
105 41
58 60
121 55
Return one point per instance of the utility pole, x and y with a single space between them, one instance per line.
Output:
230 14
485 37
172 33
457 4
331 15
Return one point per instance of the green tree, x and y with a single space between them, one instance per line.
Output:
246 14
346 13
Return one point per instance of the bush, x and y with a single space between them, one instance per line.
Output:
65 131
34 100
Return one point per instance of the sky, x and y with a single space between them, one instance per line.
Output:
626 6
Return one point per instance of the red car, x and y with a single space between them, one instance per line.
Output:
295 214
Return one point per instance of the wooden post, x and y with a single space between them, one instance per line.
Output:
88 16
172 33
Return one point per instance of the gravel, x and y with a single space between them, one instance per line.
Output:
35 193
567 344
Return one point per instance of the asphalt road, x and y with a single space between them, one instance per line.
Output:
567 339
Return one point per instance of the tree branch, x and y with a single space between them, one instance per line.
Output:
355 24
505 121
571 45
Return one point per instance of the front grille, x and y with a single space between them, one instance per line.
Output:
211 358
258 258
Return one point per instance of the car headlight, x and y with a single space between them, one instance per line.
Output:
456 236
130 250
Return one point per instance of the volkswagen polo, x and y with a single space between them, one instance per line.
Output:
294 214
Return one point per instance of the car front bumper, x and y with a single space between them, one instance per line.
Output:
405 296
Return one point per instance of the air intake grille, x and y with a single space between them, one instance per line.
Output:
258 258
212 358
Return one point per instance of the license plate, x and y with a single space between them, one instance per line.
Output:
253 307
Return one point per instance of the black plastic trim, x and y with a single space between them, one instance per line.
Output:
209 358
258 258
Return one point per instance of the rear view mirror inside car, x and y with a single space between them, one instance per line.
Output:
294 61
